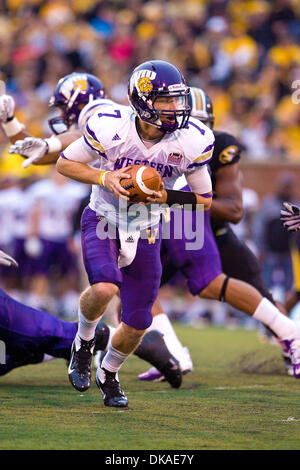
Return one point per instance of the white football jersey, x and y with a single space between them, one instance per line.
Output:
92 107
9 199
58 203
111 137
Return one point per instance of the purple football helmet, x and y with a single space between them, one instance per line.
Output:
71 94
155 82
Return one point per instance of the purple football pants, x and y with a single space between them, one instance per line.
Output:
138 282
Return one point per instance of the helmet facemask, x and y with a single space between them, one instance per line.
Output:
170 110
152 83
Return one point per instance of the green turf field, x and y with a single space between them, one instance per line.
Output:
238 397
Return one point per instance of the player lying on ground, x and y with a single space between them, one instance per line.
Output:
33 336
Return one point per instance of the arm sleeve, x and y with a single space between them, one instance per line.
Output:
79 151
199 181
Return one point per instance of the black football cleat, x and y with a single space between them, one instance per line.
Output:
172 372
109 386
153 349
80 363
102 335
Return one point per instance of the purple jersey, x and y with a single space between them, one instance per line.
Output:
28 334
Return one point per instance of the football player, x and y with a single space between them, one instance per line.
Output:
32 336
75 96
210 272
151 132
78 96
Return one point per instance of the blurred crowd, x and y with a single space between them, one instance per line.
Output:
244 53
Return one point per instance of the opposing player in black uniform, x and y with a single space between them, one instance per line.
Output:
238 260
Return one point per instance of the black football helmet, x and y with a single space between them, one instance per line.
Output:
201 106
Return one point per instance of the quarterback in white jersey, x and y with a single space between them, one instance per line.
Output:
156 133
111 137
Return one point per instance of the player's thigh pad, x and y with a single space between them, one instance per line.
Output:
199 266
140 285
239 262
100 257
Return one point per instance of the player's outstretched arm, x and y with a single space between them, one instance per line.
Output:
228 204
11 126
43 151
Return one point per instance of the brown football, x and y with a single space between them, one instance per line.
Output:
142 182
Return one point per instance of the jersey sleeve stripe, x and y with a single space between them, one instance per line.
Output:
93 147
205 156
197 165
93 143
92 135
209 147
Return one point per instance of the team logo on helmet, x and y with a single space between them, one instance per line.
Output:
145 85
81 84
228 154
72 84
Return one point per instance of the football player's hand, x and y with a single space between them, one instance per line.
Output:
7 260
112 182
32 148
7 107
290 217
158 197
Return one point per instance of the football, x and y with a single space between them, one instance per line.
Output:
142 182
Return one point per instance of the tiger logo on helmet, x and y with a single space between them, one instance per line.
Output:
151 81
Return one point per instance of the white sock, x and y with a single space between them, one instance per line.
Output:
112 329
86 328
270 316
113 359
162 324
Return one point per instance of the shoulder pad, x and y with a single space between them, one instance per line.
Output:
199 145
91 108
227 148
108 128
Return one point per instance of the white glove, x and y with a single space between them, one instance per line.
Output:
290 217
7 260
7 107
31 147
